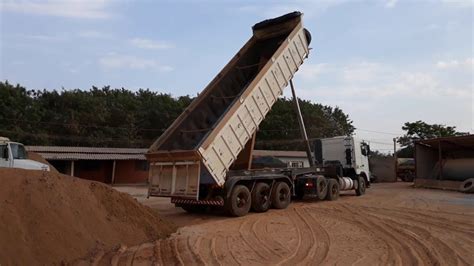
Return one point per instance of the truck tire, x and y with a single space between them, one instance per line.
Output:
467 186
281 195
360 190
321 187
333 190
261 197
239 202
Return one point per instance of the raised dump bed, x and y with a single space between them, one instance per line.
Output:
206 139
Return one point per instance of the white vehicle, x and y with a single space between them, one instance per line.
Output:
349 153
14 155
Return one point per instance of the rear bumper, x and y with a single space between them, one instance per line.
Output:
179 201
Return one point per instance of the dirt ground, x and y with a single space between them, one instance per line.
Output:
393 224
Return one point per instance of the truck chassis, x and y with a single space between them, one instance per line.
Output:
260 190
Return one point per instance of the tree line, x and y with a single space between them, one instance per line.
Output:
106 117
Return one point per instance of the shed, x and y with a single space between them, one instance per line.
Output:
445 159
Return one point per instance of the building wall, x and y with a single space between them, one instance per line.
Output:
383 167
94 170
131 171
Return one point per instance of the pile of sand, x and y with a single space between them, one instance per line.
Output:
48 218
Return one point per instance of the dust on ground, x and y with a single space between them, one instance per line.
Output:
392 224
49 218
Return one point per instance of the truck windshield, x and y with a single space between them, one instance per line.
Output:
18 151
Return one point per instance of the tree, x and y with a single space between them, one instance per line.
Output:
420 130
108 117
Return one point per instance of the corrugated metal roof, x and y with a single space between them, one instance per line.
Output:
67 149
450 143
90 156
95 153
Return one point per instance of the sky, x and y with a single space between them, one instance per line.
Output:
383 62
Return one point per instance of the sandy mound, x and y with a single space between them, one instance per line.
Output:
49 218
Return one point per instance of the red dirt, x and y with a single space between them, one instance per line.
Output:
50 218
393 224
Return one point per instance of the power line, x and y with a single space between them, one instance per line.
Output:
379 132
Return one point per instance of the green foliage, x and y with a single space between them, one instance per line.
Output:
420 130
280 129
121 118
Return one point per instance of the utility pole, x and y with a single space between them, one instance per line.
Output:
395 156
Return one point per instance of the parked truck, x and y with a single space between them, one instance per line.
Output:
405 169
348 154
14 155
204 157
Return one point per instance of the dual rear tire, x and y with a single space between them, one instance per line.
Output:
261 198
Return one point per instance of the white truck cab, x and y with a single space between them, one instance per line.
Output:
349 152
14 155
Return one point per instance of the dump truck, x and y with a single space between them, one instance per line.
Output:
204 158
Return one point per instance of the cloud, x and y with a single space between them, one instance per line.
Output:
365 79
459 3
451 64
92 34
311 71
390 3
150 44
45 37
83 9
113 61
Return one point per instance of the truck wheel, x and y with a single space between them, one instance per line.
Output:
360 190
238 204
321 187
333 190
281 195
261 197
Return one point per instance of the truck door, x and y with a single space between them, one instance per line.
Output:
4 156
361 157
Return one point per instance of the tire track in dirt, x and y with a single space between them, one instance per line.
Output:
248 236
428 248
269 244
306 240
462 227
400 253
198 260
209 251
324 239
463 232
431 245
404 230
157 252
336 212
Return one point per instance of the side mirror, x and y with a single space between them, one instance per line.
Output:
365 149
